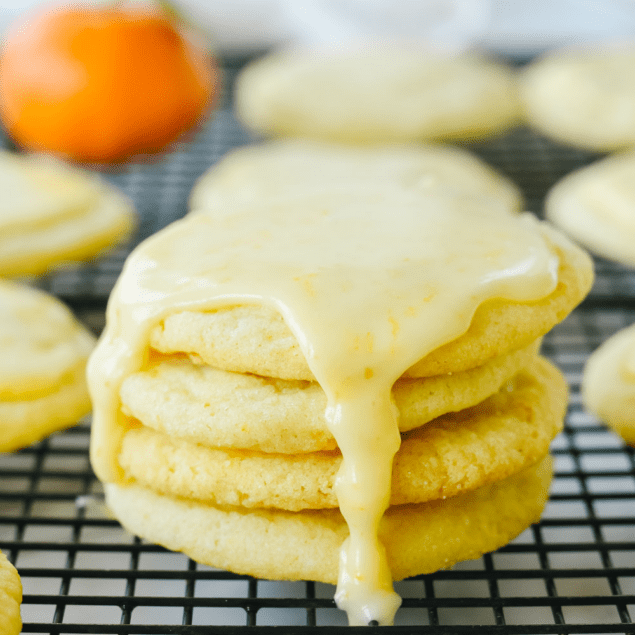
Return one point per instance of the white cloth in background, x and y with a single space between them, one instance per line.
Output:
512 26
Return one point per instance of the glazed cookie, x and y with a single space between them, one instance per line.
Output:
42 374
56 214
274 544
594 205
608 383
10 598
256 339
583 97
455 453
278 168
377 94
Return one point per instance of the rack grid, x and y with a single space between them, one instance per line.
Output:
574 572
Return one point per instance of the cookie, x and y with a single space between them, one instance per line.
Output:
608 383
454 453
52 214
369 292
217 408
278 168
10 598
594 205
377 94
42 374
583 97
256 339
273 544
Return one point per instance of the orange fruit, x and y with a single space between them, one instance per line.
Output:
102 83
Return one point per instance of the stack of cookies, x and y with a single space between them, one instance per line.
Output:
339 384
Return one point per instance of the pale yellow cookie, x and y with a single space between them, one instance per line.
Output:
376 94
43 354
583 97
10 598
256 339
595 205
455 453
206 405
608 383
52 213
274 544
278 168
41 341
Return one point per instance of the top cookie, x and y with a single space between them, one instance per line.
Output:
256 339
584 98
377 94
284 167
51 213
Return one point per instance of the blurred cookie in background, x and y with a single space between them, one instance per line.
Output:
608 384
43 353
286 166
583 97
595 205
10 598
51 214
377 93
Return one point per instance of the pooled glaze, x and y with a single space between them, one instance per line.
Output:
369 283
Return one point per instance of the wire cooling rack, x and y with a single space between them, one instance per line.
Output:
572 573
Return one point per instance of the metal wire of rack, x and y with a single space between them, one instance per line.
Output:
574 572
